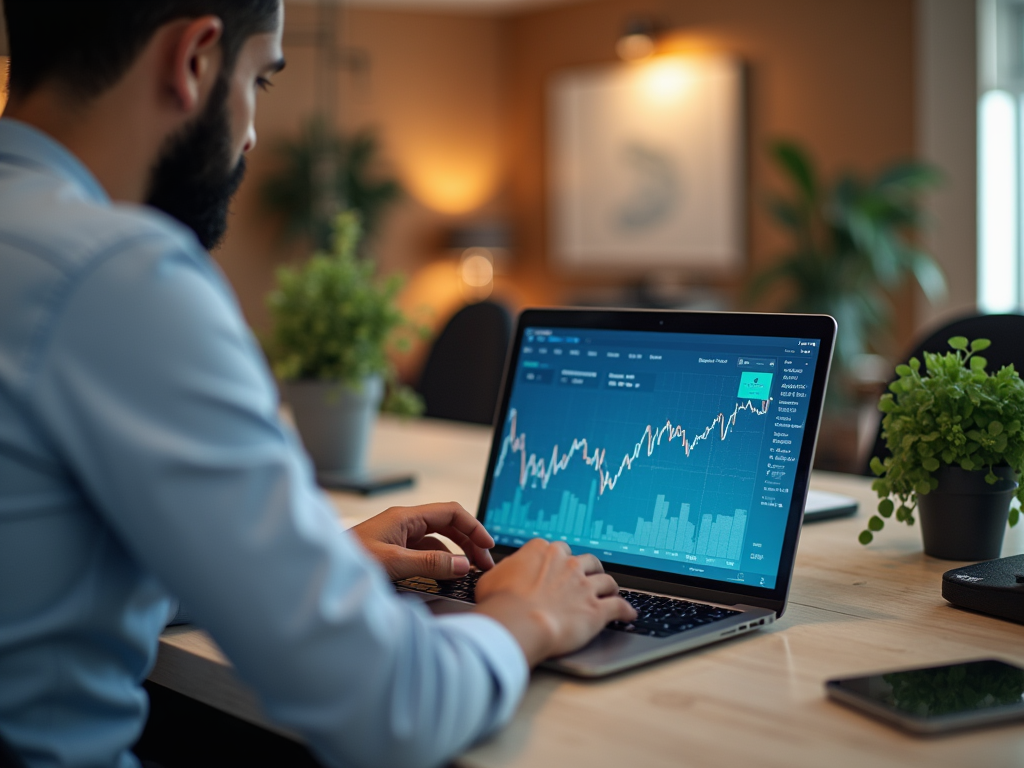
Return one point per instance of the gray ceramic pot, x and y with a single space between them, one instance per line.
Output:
965 517
335 421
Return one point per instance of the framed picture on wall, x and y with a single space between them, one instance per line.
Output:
646 165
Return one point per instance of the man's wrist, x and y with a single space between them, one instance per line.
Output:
530 628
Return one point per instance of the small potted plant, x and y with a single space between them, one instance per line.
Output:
956 433
333 322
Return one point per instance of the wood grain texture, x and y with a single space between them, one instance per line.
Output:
758 698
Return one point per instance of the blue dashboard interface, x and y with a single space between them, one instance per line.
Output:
669 451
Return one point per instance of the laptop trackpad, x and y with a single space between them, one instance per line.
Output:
607 648
439 606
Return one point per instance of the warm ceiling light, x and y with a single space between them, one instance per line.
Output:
637 42
634 47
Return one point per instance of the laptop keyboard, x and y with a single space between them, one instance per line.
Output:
457 589
661 616
657 615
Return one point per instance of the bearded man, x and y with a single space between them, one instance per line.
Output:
141 453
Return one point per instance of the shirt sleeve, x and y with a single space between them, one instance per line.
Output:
157 396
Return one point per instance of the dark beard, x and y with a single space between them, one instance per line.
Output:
193 180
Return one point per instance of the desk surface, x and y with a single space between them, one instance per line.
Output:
757 699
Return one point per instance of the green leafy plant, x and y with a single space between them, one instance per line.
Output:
335 321
953 414
322 170
851 248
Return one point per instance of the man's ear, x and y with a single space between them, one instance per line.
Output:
196 61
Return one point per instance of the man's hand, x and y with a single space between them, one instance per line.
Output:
552 602
398 538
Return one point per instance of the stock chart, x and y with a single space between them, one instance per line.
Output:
640 447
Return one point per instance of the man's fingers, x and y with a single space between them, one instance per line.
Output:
432 563
562 546
480 556
616 609
591 565
451 514
429 542
605 585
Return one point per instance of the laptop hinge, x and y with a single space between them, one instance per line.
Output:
694 593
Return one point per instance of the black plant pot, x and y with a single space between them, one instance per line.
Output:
965 517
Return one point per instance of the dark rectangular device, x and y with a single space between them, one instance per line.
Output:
931 700
995 587
823 505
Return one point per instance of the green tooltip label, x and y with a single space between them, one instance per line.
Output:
755 385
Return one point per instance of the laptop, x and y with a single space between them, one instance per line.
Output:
825 505
674 446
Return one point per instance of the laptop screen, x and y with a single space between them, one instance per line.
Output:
675 452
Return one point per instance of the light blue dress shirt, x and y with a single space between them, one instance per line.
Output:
141 456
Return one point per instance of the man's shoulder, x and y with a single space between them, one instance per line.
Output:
45 218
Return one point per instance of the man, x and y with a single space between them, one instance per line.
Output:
141 454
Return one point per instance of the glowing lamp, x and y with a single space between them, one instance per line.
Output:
637 41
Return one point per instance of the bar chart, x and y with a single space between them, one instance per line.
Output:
668 532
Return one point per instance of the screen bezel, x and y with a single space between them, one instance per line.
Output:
819 327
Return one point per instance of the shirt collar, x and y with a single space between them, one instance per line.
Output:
22 144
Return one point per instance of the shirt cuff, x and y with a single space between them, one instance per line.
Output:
503 655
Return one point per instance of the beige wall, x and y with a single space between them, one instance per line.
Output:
433 94
837 75
459 104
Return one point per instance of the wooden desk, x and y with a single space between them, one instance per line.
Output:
755 700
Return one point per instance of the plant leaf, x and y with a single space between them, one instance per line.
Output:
929 276
797 165
908 175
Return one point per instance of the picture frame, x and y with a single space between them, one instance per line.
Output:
646 165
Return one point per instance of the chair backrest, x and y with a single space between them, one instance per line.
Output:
1006 332
462 377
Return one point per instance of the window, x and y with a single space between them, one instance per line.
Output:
1000 144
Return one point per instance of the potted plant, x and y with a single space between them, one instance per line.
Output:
852 246
956 433
322 171
333 322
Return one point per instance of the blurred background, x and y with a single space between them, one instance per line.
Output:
854 156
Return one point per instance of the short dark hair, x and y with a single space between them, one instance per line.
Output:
88 45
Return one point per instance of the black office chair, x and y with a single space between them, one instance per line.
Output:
462 377
1006 332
